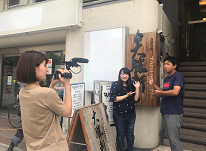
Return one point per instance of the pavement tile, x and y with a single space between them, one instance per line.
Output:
3 147
7 132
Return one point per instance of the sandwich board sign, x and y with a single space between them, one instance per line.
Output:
90 130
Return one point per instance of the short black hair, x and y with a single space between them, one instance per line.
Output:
26 66
173 60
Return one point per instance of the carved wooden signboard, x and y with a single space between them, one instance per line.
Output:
90 130
143 60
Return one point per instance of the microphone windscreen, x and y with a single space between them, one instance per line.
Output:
80 60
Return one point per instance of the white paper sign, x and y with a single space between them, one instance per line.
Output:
96 95
49 66
105 100
9 80
77 92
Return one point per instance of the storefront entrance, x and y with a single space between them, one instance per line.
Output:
10 86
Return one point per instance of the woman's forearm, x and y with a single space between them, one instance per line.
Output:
136 96
68 98
120 98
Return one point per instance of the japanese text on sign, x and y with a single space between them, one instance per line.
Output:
77 92
137 65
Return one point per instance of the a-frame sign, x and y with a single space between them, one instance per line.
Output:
90 130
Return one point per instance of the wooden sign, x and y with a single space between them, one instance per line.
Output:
143 60
90 130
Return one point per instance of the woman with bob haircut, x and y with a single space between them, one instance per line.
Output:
124 94
41 106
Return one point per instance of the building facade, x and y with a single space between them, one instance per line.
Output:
59 26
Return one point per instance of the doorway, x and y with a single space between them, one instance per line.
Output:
197 41
10 86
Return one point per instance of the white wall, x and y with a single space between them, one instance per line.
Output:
147 127
1 5
41 48
136 14
167 28
41 17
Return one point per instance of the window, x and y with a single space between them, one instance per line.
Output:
94 2
100 1
13 2
85 1
39 0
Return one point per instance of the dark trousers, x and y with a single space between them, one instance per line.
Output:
172 124
18 137
125 127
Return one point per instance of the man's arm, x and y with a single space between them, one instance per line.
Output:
156 87
150 81
174 92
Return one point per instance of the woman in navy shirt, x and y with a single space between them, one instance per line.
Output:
124 93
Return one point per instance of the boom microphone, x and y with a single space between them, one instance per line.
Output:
71 63
80 60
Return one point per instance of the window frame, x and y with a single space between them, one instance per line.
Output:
12 6
96 2
40 1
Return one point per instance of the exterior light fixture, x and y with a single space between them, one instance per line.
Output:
202 2
162 37
172 41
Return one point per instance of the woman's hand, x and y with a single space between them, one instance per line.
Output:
130 93
136 84
53 82
150 80
64 80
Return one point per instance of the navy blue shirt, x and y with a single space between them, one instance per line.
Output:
173 104
124 106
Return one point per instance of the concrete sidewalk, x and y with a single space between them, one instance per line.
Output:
164 148
3 147
7 132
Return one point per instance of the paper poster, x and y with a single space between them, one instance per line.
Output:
77 92
105 100
96 92
9 80
49 66
7 93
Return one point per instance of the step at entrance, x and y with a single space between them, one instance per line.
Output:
195 80
200 63
195 87
193 68
193 74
